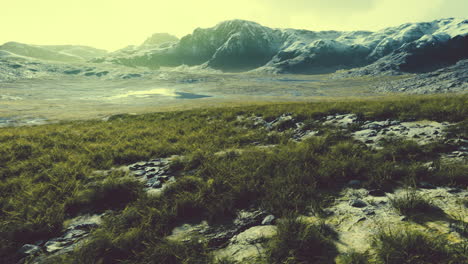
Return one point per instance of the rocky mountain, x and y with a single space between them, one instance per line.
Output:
152 44
449 79
239 45
235 45
57 53
159 39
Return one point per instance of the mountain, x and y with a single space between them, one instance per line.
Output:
235 45
131 53
58 53
159 39
239 45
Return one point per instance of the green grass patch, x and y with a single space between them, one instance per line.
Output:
299 242
410 247
412 204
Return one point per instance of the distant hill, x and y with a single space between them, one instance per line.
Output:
57 53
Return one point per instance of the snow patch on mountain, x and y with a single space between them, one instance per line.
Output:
239 45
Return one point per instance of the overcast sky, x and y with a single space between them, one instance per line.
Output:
113 24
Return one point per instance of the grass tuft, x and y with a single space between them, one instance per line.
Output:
299 242
412 204
414 247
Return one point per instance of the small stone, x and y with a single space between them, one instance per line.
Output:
361 219
139 173
136 166
148 169
372 126
426 185
269 220
283 123
163 178
377 193
357 203
151 175
403 218
328 212
454 190
55 245
29 249
86 226
154 183
354 183
368 211
73 234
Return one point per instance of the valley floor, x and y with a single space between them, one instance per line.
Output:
53 98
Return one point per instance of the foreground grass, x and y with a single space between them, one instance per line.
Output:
410 246
46 172
298 242
412 204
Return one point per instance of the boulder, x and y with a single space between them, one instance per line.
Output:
268 220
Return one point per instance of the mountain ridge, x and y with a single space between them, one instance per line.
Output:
58 53
240 45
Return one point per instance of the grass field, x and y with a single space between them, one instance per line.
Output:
46 173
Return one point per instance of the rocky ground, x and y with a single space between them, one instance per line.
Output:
450 79
370 133
359 213
75 232
356 213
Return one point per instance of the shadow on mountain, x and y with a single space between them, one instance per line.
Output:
436 55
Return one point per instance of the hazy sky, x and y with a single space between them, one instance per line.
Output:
113 24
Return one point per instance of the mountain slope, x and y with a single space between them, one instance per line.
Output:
59 53
453 78
159 39
231 45
239 45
